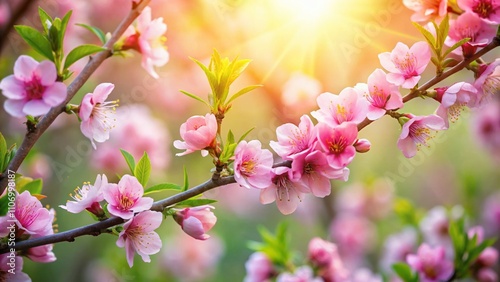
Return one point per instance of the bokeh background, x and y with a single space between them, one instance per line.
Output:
299 49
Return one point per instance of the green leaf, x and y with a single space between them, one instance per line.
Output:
64 25
162 187
185 186
245 134
212 80
242 92
80 52
142 170
238 69
403 271
428 36
44 19
194 97
34 187
95 30
455 46
4 204
444 28
129 159
195 202
230 137
10 155
228 152
36 40
3 152
435 61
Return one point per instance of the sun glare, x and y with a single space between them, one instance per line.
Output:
307 12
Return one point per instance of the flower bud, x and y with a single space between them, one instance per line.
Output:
196 221
488 257
321 252
362 145
487 275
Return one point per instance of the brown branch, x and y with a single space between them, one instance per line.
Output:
101 227
463 64
15 16
95 61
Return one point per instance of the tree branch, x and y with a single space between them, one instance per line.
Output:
414 94
95 61
15 16
98 228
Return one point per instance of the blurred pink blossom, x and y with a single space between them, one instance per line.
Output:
418 131
284 191
97 115
299 92
294 139
365 275
321 252
126 198
354 235
33 88
381 94
138 236
397 247
190 259
198 133
488 10
252 165
427 10
18 275
88 197
470 25
491 213
485 124
301 274
488 82
259 268
148 39
453 100
348 106
405 65
196 221
488 257
487 275
337 143
431 264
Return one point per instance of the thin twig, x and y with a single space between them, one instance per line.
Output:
95 61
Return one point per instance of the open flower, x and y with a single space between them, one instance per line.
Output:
321 253
431 264
125 198
381 94
488 82
337 143
198 133
294 139
32 89
426 10
138 236
454 99
88 197
405 65
252 165
148 39
348 106
418 130
259 268
12 274
470 25
96 114
284 191
196 221
488 10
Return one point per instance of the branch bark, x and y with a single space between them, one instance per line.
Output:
95 61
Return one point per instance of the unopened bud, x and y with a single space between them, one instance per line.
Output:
362 145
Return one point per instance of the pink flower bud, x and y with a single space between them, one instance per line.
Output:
487 275
362 145
321 252
259 268
488 257
198 133
196 221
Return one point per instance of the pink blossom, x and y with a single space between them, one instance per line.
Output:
487 275
196 221
430 263
301 274
138 236
198 133
362 145
365 275
354 235
405 65
397 247
125 198
427 9
381 95
191 260
259 268
488 10
32 89
337 143
252 165
294 139
5 266
96 114
485 125
42 254
88 197
434 227
488 82
148 39
453 100
284 191
32 217
491 212
418 130
488 257
313 171
348 106
134 134
321 253
299 93
470 25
